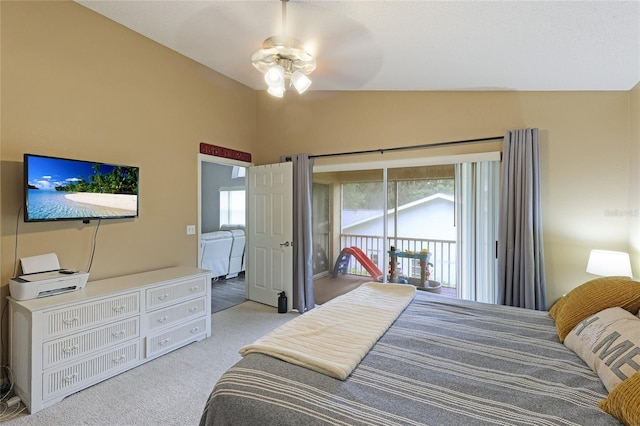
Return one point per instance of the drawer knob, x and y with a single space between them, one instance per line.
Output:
69 321
194 288
70 378
119 359
193 309
162 319
194 329
120 333
163 342
163 296
119 308
70 349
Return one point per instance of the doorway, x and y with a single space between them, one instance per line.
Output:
221 223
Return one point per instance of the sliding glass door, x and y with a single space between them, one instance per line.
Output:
477 193
444 210
421 221
355 219
321 225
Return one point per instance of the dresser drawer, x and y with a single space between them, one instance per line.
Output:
67 349
168 294
175 337
102 365
87 315
177 313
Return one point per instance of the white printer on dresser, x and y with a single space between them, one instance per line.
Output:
42 276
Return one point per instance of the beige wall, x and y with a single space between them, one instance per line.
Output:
75 84
634 179
585 151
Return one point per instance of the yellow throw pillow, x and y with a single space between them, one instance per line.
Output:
624 402
593 297
609 342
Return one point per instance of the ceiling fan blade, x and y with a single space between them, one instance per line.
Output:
224 34
346 53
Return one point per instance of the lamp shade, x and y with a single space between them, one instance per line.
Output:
300 81
278 92
609 263
274 77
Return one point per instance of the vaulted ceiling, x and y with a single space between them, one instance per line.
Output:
407 45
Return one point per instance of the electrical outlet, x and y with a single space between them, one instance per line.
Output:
191 229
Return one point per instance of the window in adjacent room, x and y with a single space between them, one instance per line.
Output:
232 206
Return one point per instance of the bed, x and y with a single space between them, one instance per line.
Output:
443 361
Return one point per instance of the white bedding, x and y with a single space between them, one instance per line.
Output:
333 338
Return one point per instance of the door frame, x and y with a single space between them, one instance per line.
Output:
204 158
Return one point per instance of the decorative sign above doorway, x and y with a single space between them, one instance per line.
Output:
219 151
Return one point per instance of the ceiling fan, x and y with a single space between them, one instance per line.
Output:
282 58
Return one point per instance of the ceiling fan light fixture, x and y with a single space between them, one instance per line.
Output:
300 81
286 56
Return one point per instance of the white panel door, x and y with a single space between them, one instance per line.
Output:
270 233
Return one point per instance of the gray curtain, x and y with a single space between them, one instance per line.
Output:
303 299
521 279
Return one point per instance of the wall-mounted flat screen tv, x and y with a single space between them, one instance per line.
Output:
66 189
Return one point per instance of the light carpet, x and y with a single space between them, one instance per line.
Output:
172 389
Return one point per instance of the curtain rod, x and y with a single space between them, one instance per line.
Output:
404 148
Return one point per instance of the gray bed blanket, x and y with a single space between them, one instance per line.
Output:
443 362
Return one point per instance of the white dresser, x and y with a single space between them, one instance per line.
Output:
62 344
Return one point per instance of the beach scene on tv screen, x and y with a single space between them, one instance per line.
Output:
66 189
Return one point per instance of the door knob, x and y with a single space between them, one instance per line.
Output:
285 244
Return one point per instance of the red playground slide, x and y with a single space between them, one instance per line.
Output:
364 260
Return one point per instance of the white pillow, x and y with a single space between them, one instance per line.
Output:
609 342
